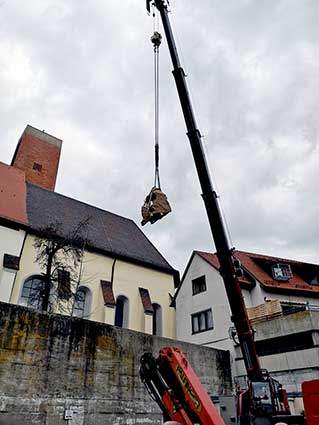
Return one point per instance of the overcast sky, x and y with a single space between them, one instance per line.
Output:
83 71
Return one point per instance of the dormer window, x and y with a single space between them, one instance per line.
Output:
315 281
281 272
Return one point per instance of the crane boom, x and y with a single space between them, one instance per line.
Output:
176 388
217 225
264 401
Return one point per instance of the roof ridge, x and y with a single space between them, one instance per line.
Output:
262 256
266 256
265 280
204 252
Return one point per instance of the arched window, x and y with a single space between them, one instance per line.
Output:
32 292
121 312
82 303
157 319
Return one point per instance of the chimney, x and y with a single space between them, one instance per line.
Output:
38 155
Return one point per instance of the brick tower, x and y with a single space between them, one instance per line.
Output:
38 155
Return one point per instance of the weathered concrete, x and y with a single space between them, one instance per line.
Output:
52 364
286 325
290 368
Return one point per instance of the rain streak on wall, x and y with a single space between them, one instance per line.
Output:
53 365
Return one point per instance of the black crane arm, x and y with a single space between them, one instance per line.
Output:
264 401
217 226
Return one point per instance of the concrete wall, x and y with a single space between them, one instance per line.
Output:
289 368
53 365
294 367
11 242
127 279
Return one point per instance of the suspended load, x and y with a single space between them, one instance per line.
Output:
156 205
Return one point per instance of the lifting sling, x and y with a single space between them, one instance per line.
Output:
156 205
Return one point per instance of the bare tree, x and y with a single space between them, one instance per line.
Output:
60 258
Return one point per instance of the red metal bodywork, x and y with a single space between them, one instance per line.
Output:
310 390
194 399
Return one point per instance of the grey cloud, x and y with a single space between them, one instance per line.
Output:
83 72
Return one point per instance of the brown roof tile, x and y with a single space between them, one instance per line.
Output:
12 194
259 266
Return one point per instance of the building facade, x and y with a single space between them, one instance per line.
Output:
120 277
282 299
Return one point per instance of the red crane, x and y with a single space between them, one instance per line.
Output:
176 388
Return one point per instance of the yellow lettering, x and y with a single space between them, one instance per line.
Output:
188 388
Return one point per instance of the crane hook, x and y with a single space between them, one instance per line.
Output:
156 205
156 39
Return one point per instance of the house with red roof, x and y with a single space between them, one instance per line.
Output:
122 279
282 299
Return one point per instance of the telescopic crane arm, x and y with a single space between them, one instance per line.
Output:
176 388
264 402
227 262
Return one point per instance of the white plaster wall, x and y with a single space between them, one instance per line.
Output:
214 297
128 278
28 267
284 366
258 295
126 281
283 362
11 242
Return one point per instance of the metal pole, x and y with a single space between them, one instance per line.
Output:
224 251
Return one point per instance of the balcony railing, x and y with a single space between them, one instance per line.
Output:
275 308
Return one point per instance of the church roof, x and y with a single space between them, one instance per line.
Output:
28 201
105 232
